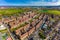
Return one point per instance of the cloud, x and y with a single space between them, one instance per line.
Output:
29 2
58 3
44 3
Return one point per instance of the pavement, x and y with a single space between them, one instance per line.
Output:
56 27
10 32
0 36
36 37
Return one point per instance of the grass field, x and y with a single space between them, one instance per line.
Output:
55 12
10 11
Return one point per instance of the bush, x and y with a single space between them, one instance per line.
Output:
42 35
31 20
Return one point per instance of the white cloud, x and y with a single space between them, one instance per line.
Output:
38 3
32 3
58 3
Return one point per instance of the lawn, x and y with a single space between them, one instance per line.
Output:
9 12
55 12
3 31
13 11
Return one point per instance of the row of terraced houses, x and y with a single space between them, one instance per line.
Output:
24 25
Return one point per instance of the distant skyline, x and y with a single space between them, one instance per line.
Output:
29 2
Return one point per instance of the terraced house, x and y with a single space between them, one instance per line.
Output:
27 25
22 26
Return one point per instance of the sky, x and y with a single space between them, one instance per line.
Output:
29 2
